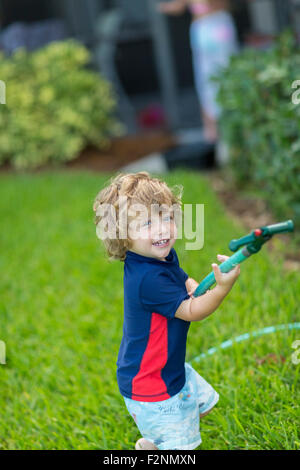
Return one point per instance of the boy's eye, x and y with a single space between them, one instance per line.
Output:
167 217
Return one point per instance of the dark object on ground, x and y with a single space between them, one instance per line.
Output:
198 155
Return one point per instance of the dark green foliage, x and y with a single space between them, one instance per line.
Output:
261 124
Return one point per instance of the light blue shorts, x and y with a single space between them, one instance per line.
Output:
174 423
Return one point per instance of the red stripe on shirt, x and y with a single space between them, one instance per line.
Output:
148 384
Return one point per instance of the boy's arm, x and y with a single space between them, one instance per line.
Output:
175 7
198 308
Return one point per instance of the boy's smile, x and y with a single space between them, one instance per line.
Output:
155 237
162 243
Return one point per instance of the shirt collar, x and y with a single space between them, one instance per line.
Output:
170 259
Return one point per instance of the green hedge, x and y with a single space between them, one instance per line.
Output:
55 105
261 124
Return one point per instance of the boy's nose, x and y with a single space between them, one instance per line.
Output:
162 230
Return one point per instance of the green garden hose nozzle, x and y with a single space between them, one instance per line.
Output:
250 244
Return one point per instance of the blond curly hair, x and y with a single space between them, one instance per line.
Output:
138 188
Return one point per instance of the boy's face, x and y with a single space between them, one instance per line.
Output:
153 236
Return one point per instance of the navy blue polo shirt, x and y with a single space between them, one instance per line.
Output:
150 365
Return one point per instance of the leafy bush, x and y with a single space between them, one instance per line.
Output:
261 124
54 106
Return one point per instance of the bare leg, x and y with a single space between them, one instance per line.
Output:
143 444
210 127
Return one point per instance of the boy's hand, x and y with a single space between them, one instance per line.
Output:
176 7
191 286
225 280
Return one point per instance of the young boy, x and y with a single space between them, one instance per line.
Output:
164 394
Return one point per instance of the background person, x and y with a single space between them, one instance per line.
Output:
213 39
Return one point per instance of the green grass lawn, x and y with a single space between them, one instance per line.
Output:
61 308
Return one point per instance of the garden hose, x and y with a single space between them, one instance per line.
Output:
254 334
250 244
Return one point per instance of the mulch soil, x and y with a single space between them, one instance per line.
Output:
120 152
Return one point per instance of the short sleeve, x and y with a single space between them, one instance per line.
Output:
161 293
185 276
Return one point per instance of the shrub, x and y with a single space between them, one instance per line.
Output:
261 124
55 105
